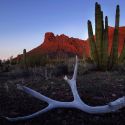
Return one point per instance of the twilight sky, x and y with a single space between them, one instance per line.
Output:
23 23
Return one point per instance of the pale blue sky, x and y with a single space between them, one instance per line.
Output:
23 23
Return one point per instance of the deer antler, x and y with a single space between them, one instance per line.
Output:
76 103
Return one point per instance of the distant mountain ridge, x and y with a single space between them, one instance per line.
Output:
72 46
61 44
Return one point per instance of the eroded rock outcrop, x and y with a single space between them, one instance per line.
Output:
62 44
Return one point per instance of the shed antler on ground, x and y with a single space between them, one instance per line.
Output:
76 103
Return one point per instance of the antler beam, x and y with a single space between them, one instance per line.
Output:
76 103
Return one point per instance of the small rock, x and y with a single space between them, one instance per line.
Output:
113 95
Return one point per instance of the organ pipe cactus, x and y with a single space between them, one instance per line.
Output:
99 31
93 49
122 56
114 51
99 44
105 45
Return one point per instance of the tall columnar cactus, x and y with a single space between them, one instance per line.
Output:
114 51
24 60
99 44
93 49
99 31
105 45
102 40
122 56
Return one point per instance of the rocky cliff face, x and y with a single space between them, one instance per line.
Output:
121 37
63 45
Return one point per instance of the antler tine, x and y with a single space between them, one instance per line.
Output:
34 93
67 79
74 73
72 82
38 96
22 118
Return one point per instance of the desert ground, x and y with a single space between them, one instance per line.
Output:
94 87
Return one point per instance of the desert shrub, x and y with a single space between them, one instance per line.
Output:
89 60
13 62
61 69
6 68
0 63
34 61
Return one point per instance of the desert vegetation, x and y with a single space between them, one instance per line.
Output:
100 54
100 82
